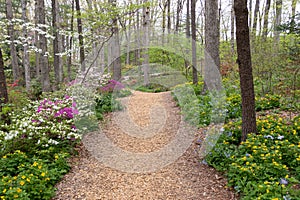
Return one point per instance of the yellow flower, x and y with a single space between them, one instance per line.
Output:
19 190
40 166
56 157
22 183
4 190
275 199
47 179
23 177
43 174
28 180
35 164
268 191
4 156
16 196
287 176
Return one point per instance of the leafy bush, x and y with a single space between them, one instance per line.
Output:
152 87
34 148
266 165
106 103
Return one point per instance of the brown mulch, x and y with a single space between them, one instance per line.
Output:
185 179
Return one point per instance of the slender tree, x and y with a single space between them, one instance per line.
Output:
255 17
80 37
3 88
277 20
146 25
25 47
69 62
36 42
194 55
56 43
11 33
116 63
43 57
245 68
232 27
266 19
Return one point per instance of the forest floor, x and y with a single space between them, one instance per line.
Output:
184 179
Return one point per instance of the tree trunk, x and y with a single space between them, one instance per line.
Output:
43 58
37 43
25 48
56 43
3 88
212 43
137 53
194 58
232 27
11 34
169 16
277 21
146 24
294 5
188 27
245 68
116 47
71 43
179 11
266 18
255 17
79 27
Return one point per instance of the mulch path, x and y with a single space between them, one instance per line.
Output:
149 122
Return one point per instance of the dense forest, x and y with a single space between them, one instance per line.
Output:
65 64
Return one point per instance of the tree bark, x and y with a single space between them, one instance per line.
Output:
146 24
25 48
179 11
277 21
255 17
80 38
36 42
266 18
245 68
56 43
3 87
232 27
11 34
116 47
194 55
43 57
69 63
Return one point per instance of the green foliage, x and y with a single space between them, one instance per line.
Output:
25 177
34 148
266 165
153 87
105 103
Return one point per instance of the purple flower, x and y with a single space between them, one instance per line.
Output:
283 181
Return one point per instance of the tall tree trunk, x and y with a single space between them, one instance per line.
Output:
294 4
146 25
56 43
212 43
194 53
11 33
43 58
163 7
116 46
187 23
3 88
79 27
245 68
212 33
36 42
232 27
137 52
277 20
266 19
25 48
179 11
255 17
71 44
169 16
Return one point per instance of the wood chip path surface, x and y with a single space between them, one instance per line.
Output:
184 179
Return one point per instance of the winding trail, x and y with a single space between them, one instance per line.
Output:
154 121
